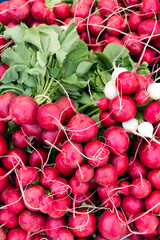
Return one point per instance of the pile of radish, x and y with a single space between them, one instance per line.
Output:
73 169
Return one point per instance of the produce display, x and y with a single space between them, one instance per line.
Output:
79 120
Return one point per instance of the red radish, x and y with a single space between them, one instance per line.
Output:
157 129
8 218
149 9
90 3
106 7
82 128
152 202
144 82
116 24
3 127
38 157
72 154
3 146
18 233
100 237
31 221
61 10
131 205
112 202
127 83
106 175
64 170
133 42
147 223
95 24
3 234
103 103
5 100
80 10
14 201
98 48
124 188
87 198
50 116
59 187
4 18
32 196
106 119
3 179
152 112
141 97
132 2
47 176
107 190
136 170
148 56
78 187
60 207
84 36
15 157
33 130
110 226
53 137
26 175
64 234
113 39
154 178
50 18
3 68
148 28
134 20
120 162
116 139
97 153
31 2
46 204
52 225
80 26
83 224
67 105
19 139
4 191
18 10
39 11
84 173
140 188
12 24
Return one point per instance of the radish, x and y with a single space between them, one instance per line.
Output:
116 139
152 112
116 73
147 222
110 90
80 10
3 234
97 153
142 97
90 3
4 191
48 175
59 187
12 24
153 177
146 129
149 28
134 20
64 170
124 188
106 119
3 67
84 173
31 221
132 41
84 36
120 162
31 2
83 224
106 7
33 130
18 233
5 100
113 39
3 146
52 225
64 234
46 204
50 116
80 26
38 157
116 24
60 207
107 190
144 82
131 125
4 18
14 201
39 11
78 187
149 8
26 175
112 202
148 56
87 198
152 202
18 11
53 137
106 175
100 237
122 108
50 18
95 24
103 103
154 91
3 179
19 139
140 188
61 10
8 219
131 206
136 170
110 225
3 127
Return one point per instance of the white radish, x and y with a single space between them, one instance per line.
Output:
116 72
154 91
145 129
110 90
131 125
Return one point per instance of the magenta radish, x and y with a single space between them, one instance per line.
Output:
26 175
59 187
97 153
144 82
4 18
154 177
134 20
31 221
19 139
136 170
78 187
132 3
131 206
82 128
132 41
12 24
80 10
3 234
106 175
50 18
106 7
18 11
116 24
106 119
149 9
142 97
83 224
3 146
46 204
112 202
50 116
14 201
90 3
113 39
120 162
116 139
61 10
53 137
149 28
148 56
64 170
124 188
84 36
3 67
64 234
140 188
146 222
38 157
95 24
84 173
3 179
34 1
152 202
33 130
103 103
39 11
87 198
110 226
3 127
80 26
32 197
4 191
5 100
18 233
52 225
60 207
8 219
48 175
107 190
